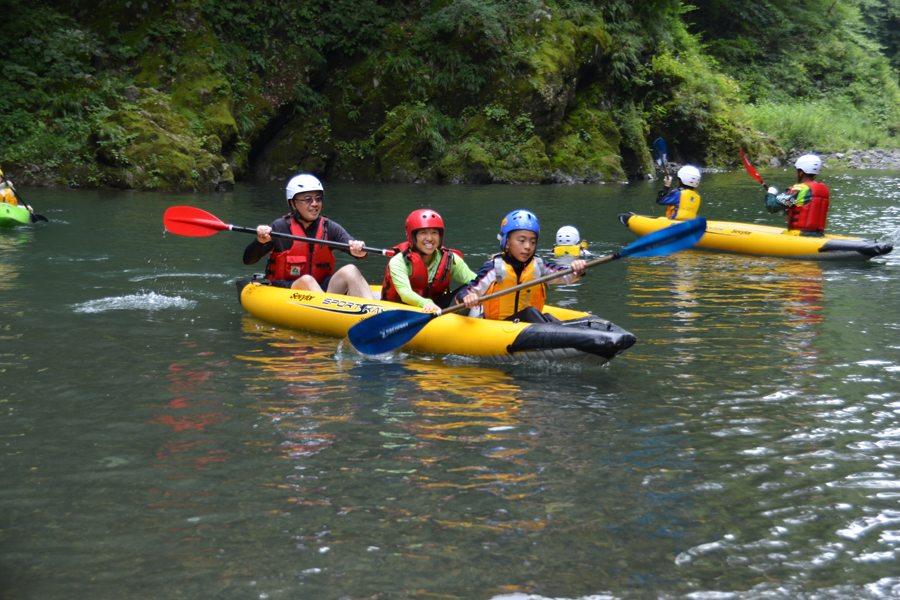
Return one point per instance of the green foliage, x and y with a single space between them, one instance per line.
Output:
831 125
491 90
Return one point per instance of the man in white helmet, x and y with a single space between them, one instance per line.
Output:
806 202
684 202
302 265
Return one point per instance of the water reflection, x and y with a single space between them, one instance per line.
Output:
721 304
13 244
427 448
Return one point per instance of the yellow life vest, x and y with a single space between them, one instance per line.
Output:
7 196
569 249
506 306
688 206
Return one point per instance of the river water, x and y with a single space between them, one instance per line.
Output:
158 442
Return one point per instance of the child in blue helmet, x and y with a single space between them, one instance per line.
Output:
517 264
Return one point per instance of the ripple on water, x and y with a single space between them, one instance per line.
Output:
859 528
216 276
149 301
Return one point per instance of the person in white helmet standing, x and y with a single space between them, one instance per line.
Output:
806 202
302 265
684 202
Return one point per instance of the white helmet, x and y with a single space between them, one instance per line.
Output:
810 164
567 236
689 175
304 182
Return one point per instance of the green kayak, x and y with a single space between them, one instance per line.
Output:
12 216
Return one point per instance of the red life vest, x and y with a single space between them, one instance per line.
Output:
418 279
296 261
811 215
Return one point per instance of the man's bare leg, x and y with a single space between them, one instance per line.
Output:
308 283
348 280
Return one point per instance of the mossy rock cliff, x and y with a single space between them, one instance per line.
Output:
149 146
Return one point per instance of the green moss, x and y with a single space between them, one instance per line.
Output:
303 145
401 149
150 146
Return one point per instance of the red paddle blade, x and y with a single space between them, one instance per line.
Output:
193 222
750 170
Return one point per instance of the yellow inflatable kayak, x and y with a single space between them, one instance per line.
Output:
762 240
578 335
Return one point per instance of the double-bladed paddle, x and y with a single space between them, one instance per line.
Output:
659 149
193 222
35 218
750 170
391 329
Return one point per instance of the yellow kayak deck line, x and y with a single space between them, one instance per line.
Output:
578 335
764 240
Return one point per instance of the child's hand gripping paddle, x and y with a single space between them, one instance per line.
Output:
391 329
193 222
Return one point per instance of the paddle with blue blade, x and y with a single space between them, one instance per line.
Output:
391 329
662 159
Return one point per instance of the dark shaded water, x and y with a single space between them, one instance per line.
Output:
158 442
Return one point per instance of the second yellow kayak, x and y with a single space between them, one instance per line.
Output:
763 240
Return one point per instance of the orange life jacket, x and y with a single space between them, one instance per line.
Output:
506 306
296 261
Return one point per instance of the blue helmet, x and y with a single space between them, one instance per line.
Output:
518 219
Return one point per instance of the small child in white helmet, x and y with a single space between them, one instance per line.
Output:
569 243
683 203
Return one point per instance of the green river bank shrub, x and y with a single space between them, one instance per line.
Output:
517 91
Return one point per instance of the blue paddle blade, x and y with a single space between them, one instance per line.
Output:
666 241
659 148
387 331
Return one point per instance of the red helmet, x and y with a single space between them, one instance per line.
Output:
423 219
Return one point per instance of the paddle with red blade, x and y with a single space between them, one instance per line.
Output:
750 170
193 222
391 329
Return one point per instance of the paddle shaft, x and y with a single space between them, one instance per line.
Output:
528 284
288 236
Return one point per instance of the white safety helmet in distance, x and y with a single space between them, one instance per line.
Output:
567 236
304 182
809 164
689 175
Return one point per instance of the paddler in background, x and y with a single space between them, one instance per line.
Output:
421 269
569 243
301 265
684 202
806 202
7 194
517 264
